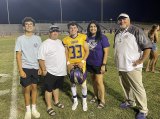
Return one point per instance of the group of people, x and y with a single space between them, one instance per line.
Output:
55 58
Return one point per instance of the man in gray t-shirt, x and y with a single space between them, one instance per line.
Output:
26 49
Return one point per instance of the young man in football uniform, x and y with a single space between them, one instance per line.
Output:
77 52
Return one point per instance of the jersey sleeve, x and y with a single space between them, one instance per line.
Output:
64 42
85 37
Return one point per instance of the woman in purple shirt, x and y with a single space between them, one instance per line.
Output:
96 61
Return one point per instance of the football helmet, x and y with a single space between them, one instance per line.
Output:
76 75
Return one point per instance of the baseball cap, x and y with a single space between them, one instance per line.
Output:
123 15
54 28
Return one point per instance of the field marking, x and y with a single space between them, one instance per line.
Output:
3 92
4 75
13 108
2 80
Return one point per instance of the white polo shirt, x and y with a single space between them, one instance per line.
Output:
53 52
129 45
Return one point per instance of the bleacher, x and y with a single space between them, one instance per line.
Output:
42 28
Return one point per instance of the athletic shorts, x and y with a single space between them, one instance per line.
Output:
154 47
31 77
52 82
94 69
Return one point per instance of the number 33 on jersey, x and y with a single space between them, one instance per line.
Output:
75 47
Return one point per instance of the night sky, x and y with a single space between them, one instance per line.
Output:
79 10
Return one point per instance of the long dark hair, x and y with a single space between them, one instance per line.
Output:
154 27
98 36
151 32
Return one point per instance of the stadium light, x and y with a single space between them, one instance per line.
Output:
8 12
101 10
61 11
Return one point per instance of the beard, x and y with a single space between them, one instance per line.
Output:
124 26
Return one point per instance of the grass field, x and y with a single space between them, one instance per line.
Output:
114 94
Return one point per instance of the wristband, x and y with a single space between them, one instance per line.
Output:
68 62
103 64
83 61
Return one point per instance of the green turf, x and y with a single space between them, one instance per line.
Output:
114 93
6 67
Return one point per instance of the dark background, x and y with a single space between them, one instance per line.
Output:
79 10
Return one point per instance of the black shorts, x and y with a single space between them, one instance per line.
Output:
52 82
31 77
94 69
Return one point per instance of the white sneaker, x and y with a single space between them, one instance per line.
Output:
27 115
85 107
36 114
74 106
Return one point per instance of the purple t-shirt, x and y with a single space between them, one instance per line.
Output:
96 52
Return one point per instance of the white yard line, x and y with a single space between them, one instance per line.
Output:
5 75
3 92
13 108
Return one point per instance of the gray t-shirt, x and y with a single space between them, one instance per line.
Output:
29 47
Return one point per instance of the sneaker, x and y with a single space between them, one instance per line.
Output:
74 106
36 114
141 115
85 107
27 115
125 105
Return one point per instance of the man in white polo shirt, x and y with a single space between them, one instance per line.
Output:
132 47
52 61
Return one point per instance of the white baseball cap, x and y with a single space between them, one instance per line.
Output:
123 15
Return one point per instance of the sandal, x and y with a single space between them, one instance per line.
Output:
101 105
93 100
59 105
51 112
